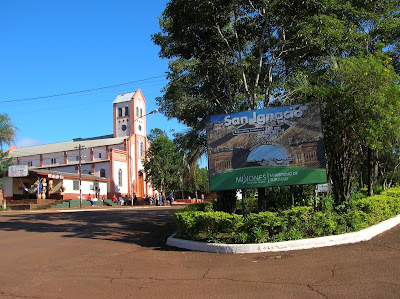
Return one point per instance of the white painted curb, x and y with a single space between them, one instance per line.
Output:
355 237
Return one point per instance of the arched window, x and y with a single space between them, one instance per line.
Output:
119 177
141 148
119 112
99 155
103 173
126 111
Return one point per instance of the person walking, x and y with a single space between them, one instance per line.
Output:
171 198
156 196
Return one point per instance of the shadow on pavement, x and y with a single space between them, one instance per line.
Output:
144 227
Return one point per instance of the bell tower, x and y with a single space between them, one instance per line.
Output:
129 110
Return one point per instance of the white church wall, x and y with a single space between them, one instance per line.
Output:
99 153
123 188
118 146
105 166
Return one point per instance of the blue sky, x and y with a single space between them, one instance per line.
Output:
55 47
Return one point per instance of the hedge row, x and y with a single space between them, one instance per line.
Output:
200 222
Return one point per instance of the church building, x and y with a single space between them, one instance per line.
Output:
104 165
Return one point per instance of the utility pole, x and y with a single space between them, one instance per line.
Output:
80 173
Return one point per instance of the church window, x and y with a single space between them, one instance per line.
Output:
119 112
126 111
103 173
141 148
119 177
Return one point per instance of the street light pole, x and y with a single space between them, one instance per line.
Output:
151 112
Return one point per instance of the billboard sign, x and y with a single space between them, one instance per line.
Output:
263 148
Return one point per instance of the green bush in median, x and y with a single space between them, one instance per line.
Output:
201 222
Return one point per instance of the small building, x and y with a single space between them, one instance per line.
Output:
54 185
112 162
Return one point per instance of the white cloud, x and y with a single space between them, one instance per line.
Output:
24 142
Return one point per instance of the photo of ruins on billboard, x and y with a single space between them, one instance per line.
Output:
288 136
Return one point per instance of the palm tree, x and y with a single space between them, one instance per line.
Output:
193 143
7 130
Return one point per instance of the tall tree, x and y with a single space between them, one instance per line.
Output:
192 143
359 99
232 55
7 130
7 136
163 162
202 179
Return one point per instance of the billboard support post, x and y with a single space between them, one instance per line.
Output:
292 194
244 203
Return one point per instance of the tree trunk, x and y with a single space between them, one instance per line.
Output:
262 200
226 201
372 171
341 171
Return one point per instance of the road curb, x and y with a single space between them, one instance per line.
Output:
354 237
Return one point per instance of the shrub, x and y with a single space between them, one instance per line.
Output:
201 206
377 207
200 222
269 223
321 224
242 238
251 205
327 204
186 223
206 225
358 220
258 235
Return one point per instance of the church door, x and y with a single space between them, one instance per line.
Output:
140 185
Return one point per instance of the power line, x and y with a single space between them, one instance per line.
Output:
81 91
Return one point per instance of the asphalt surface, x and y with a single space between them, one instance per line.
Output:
122 254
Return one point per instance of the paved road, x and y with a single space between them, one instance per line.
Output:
122 254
